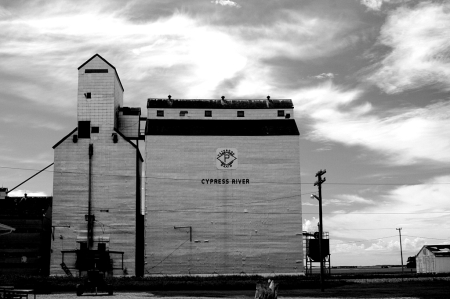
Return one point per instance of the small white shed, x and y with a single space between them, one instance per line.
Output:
433 259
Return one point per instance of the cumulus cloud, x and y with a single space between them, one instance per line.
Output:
324 76
310 225
349 200
178 53
376 5
347 248
372 4
403 206
395 134
419 39
226 3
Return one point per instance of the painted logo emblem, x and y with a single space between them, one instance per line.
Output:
226 158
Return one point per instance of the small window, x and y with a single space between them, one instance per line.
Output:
96 70
95 129
240 114
160 113
87 95
84 129
183 113
281 113
208 113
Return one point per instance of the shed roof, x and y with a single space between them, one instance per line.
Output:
438 250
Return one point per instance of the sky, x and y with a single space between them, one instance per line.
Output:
370 82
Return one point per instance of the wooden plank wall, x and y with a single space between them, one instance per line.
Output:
113 197
236 228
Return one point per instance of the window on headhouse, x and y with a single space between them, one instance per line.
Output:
240 114
160 113
84 129
208 113
87 95
183 113
95 130
281 113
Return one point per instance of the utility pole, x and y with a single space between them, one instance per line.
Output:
401 250
319 183
90 218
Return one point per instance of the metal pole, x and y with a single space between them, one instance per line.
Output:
319 184
90 220
401 250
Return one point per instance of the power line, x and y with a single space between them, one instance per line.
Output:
166 257
253 182
352 242
426 237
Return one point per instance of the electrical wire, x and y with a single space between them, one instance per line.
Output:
148 270
253 182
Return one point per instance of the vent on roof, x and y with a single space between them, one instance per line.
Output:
96 70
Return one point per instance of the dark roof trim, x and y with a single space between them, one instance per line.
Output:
220 104
134 145
130 110
64 138
264 127
106 61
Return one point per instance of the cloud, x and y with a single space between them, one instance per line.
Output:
372 4
4 12
346 248
348 199
324 76
310 225
419 39
182 54
395 134
413 245
31 122
226 3
20 193
417 209
376 5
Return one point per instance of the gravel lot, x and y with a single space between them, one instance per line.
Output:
130 295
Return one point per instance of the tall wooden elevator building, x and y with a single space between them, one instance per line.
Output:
221 193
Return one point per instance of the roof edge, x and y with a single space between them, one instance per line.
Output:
106 61
64 138
134 145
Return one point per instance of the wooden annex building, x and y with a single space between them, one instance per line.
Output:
217 190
